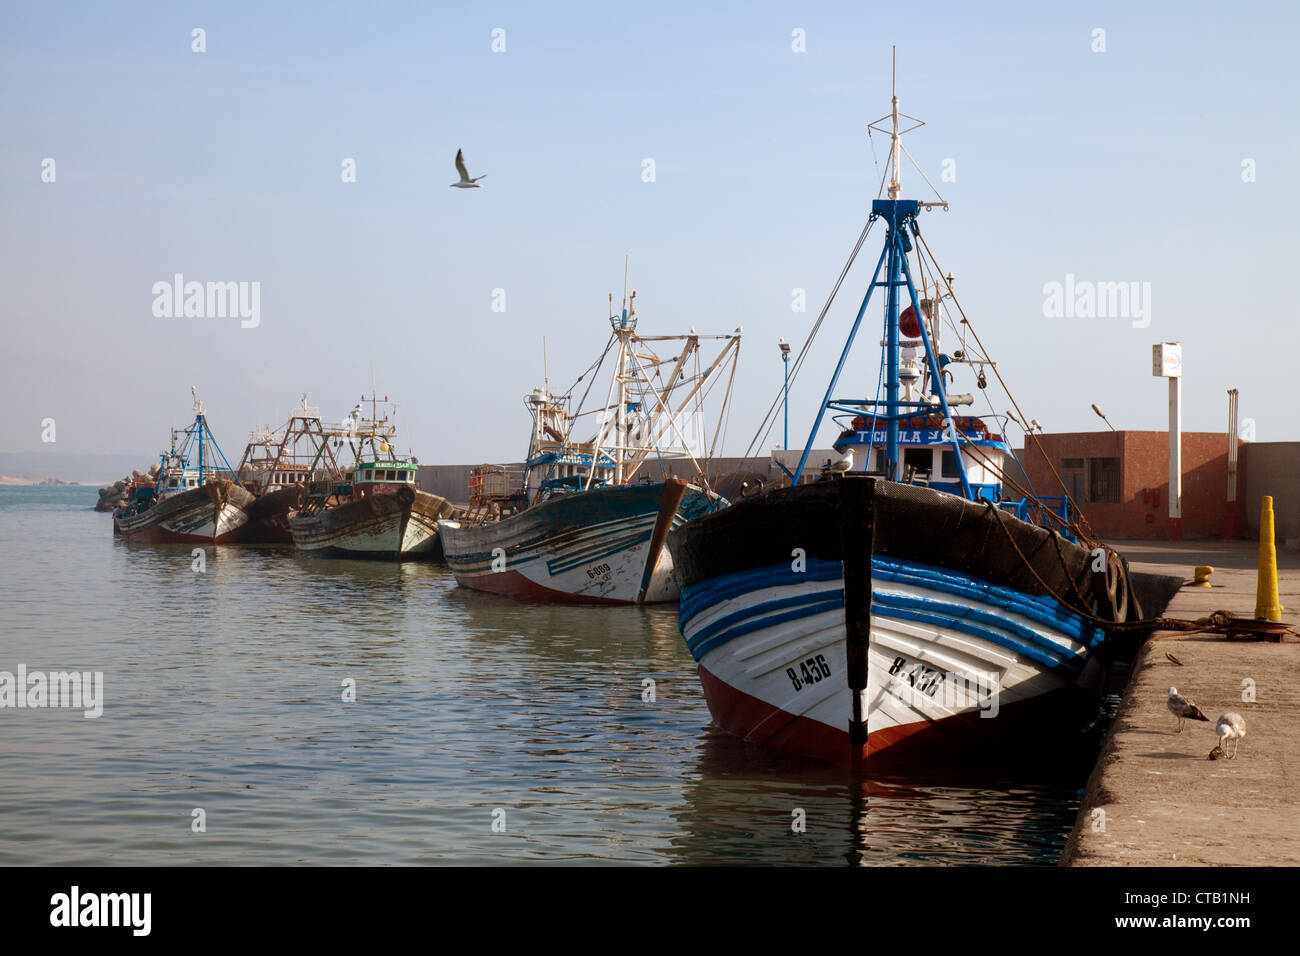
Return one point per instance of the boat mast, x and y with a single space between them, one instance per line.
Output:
625 333
199 428
891 296
620 375
899 216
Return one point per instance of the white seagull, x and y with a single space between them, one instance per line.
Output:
845 463
465 181
1232 726
1184 708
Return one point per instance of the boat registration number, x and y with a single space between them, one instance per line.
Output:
812 671
597 571
925 679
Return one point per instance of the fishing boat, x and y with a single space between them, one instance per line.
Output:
278 467
589 519
377 510
907 597
194 498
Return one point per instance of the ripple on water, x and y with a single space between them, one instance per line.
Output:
224 691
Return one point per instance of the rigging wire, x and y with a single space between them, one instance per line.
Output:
769 420
1014 404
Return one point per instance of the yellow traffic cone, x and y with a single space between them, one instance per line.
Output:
1267 605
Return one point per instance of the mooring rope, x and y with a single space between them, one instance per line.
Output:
1220 621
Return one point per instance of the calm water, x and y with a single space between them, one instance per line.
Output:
223 691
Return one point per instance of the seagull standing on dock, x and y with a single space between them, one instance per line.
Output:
1184 708
845 464
1232 726
465 181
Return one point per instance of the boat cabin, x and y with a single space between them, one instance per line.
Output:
927 457
383 477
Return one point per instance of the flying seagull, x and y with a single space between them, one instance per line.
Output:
1232 726
465 181
1183 708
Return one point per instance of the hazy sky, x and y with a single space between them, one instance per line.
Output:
1117 166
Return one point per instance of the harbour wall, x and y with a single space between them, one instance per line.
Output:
1154 798
452 481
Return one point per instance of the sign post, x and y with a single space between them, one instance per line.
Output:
1167 362
1231 526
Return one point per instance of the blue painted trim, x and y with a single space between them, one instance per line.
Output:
833 603
1044 610
824 600
1067 665
609 546
716 590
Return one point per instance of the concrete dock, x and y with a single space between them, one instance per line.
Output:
1154 798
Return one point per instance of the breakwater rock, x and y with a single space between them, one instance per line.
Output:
115 495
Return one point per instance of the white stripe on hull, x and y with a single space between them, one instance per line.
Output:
203 520
779 663
604 562
948 672
755 663
377 537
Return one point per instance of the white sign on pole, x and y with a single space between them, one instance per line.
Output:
1167 360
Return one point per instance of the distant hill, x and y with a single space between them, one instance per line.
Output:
10 480
33 467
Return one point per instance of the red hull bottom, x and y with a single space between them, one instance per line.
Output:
515 585
157 534
960 737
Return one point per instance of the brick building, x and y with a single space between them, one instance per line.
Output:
1121 480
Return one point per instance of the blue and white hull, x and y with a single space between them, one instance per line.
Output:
603 546
841 652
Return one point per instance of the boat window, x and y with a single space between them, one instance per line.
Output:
173 483
920 459
948 469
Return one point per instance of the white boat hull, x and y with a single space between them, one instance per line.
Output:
603 546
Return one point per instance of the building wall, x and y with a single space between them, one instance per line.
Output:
1272 468
1142 510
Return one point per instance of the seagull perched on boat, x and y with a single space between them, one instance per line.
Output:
1231 726
465 181
844 464
1184 708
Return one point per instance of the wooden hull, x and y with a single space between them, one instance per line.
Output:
857 619
268 516
388 527
212 514
604 546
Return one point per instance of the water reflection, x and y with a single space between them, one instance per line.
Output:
747 805
226 690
